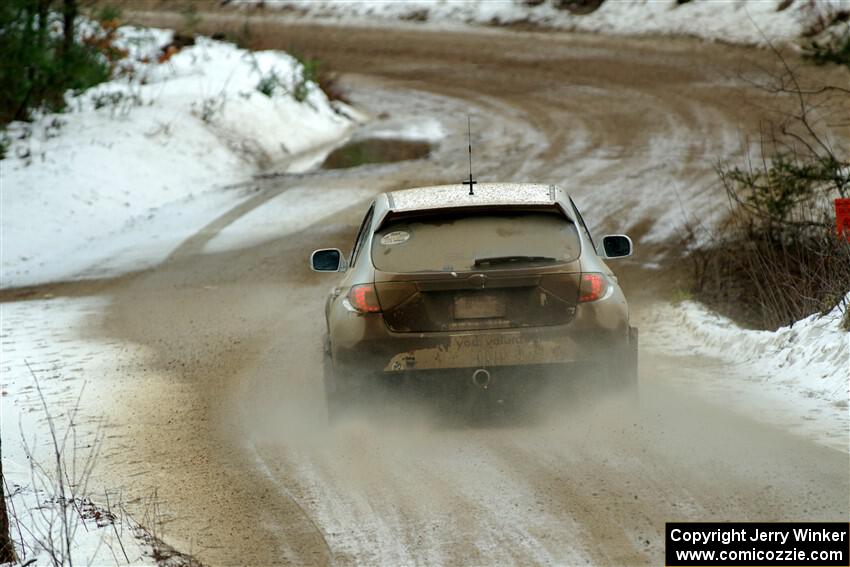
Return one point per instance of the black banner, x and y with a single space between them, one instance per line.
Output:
691 544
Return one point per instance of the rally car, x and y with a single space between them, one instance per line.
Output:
455 288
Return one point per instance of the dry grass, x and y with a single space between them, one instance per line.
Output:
64 503
763 284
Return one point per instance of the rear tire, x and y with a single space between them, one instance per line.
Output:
624 370
337 402
633 357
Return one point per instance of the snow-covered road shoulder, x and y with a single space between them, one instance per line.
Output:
86 193
804 367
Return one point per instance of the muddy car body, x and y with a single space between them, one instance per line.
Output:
447 287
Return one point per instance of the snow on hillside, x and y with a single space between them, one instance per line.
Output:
137 164
735 21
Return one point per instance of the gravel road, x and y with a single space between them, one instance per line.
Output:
223 414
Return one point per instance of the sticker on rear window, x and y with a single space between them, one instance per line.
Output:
395 237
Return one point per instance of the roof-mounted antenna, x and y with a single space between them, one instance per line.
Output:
471 181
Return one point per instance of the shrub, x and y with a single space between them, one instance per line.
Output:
268 83
313 72
108 13
781 199
82 67
5 142
38 67
415 15
119 103
777 259
835 48
579 7
821 16
211 107
309 74
829 32
765 285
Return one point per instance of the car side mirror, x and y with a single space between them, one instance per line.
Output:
327 260
616 246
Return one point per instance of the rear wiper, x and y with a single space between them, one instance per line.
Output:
510 259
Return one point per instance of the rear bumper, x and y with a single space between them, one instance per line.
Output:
484 350
364 344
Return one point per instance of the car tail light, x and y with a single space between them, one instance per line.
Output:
364 299
593 287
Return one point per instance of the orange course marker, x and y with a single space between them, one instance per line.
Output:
842 218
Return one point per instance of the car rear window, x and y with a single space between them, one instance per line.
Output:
475 242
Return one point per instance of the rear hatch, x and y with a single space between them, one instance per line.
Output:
477 271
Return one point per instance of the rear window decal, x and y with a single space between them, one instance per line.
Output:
395 237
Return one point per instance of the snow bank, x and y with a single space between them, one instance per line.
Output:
735 21
75 185
809 360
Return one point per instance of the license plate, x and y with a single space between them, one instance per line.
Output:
479 306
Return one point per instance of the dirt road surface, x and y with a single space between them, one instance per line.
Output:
223 414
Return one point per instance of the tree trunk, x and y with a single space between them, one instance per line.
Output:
43 13
69 16
7 550
22 112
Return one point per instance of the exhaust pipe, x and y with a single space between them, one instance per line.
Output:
481 378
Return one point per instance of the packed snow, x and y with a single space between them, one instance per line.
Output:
139 163
734 21
805 366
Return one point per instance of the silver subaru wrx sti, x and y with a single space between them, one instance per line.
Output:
451 289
